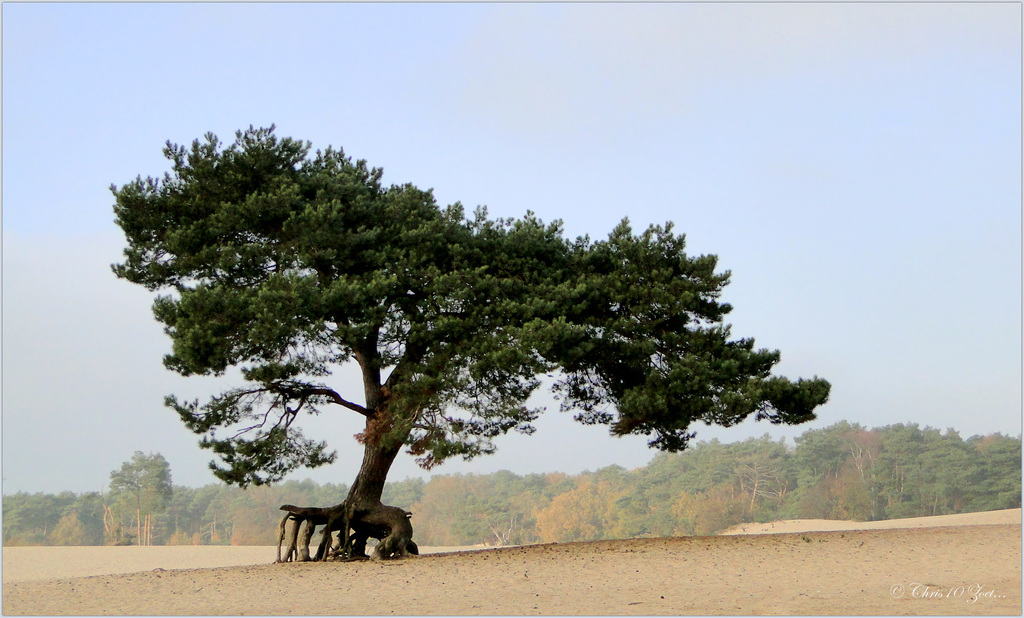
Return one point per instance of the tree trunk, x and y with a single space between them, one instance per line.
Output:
377 458
373 473
362 510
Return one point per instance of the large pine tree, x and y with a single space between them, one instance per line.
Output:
286 264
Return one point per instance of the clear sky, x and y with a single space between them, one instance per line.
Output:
856 167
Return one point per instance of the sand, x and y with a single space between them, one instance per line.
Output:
39 563
1009 516
964 564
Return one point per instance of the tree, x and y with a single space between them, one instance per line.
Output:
761 471
285 265
88 510
69 531
28 519
450 513
712 511
582 514
143 482
997 474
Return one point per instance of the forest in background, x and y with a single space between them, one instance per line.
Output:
843 471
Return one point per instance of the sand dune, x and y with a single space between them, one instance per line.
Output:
1009 516
955 566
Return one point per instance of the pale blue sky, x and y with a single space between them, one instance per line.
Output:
857 168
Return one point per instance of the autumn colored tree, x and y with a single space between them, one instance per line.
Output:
709 512
69 531
444 512
585 513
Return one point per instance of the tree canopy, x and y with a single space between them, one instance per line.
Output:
143 484
285 264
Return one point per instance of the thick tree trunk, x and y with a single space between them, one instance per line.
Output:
362 511
362 514
366 514
373 473
377 458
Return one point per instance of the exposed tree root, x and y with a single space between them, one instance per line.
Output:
389 524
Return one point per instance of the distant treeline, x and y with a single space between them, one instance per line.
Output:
841 472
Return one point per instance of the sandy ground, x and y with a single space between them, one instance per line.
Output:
38 563
1009 516
968 565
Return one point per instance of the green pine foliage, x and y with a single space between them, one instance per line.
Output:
844 471
285 264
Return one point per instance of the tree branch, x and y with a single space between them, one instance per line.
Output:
336 398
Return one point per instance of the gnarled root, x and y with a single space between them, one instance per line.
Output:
292 533
397 542
311 517
390 524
